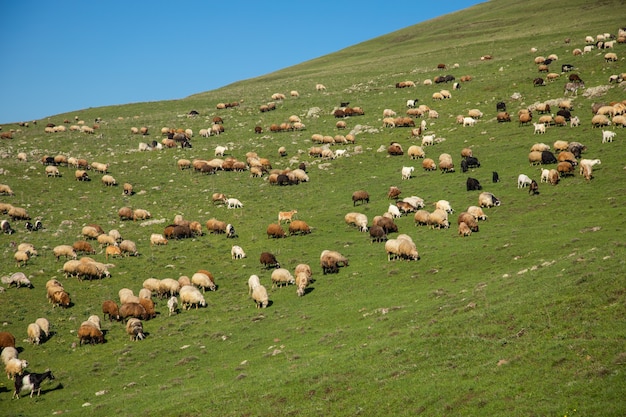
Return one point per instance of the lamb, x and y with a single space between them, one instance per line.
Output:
157 239
464 229
286 215
469 121
268 260
134 328
428 140
203 280
523 181
14 367
172 305
34 333
219 151
64 250
281 276
357 219
406 172
233 203
260 297
607 136
539 128
237 252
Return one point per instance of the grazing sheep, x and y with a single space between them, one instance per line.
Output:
330 261
600 120
469 220
6 190
108 180
34 333
438 219
281 276
18 213
141 214
133 309
477 212
416 152
486 199
203 280
89 333
134 328
64 250
21 257
260 297
401 248
444 205
233 203
299 227
268 260
18 280
274 230
237 252
6 340
539 128
464 229
111 309
157 239
128 247
253 282
8 353
394 211
52 171
361 195
44 325
393 193
357 219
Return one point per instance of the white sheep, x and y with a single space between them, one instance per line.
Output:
282 276
219 150
444 205
545 175
237 252
15 366
172 305
406 172
157 239
52 171
34 333
8 353
44 325
203 281
389 113
469 121
191 296
607 136
540 128
574 121
394 211
302 281
232 203
260 297
523 180
414 201
64 250
428 140
253 282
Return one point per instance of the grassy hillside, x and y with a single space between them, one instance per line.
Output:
524 317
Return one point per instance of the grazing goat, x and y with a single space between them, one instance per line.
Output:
31 382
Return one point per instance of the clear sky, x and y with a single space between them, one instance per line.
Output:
62 56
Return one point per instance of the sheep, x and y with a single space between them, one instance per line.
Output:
52 171
610 57
416 152
106 240
464 229
203 280
393 193
477 212
34 333
14 367
394 211
402 248
534 158
64 250
330 261
108 180
357 219
18 213
444 205
281 276
302 281
274 230
8 353
128 247
134 328
232 203
44 325
253 282
216 226
219 151
523 180
469 121
141 214
133 310
386 223
111 309
299 227
6 190
191 296
600 120
168 287
406 172
21 257
260 297
607 136
268 260
438 219
360 195
428 140
6 340
469 220
157 239
539 147
486 199
5 226
414 201
89 333
148 305
126 295
287 216
565 168
237 252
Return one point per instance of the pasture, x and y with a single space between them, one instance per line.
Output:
523 317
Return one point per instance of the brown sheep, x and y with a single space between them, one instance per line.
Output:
88 333
110 309
429 165
469 220
135 310
274 230
268 260
393 193
361 196
126 213
299 227
7 340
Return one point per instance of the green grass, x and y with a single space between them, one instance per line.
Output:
523 318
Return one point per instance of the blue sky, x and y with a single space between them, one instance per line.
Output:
63 56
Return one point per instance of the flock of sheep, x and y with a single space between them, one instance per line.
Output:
189 292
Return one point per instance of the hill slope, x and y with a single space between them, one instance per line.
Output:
522 317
